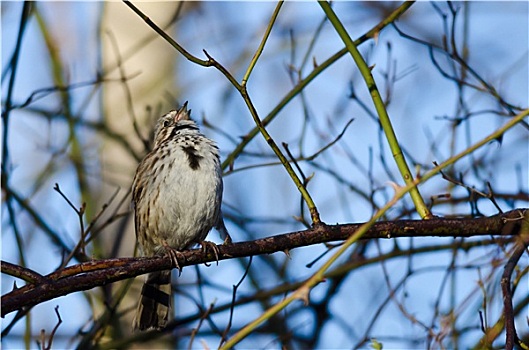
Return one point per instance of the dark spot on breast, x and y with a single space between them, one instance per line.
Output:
192 157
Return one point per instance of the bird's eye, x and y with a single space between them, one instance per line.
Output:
166 123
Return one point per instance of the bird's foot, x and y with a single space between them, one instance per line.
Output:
214 248
174 254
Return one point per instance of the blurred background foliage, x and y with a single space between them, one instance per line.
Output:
83 83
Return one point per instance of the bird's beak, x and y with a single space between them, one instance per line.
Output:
182 113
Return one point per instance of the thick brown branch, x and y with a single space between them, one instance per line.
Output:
97 273
21 272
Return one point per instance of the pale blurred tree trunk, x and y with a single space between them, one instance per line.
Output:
131 49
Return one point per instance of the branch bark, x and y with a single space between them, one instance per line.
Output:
511 337
95 273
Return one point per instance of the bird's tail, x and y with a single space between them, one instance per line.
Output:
154 308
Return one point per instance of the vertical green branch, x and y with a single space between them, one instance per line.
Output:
262 44
405 172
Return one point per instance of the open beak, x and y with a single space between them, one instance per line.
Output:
182 113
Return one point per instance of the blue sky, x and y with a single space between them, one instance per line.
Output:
421 102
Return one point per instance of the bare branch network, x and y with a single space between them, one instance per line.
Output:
101 272
314 106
